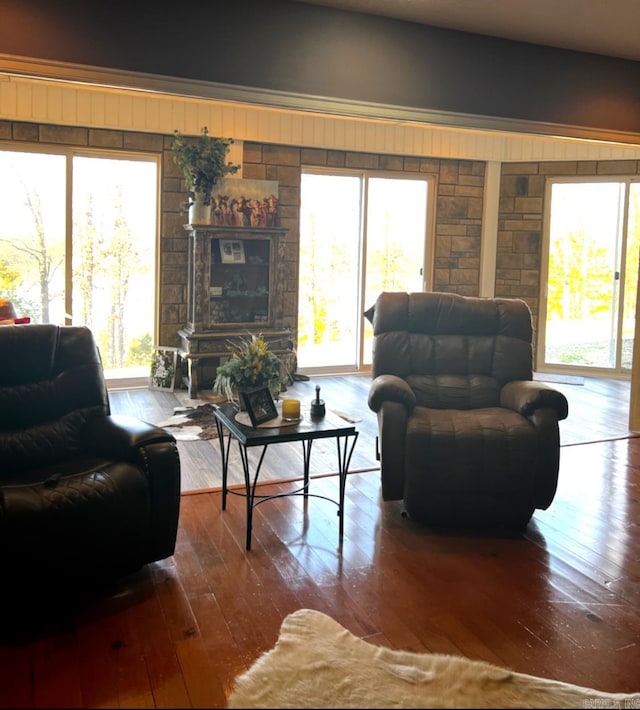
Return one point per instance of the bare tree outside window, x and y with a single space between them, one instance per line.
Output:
110 267
32 232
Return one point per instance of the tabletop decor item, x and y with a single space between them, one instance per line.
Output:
203 162
259 405
251 365
318 409
291 409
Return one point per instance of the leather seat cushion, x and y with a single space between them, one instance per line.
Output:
467 452
455 391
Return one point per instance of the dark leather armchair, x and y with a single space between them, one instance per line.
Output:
465 436
83 494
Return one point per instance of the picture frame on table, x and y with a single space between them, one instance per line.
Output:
163 368
259 405
232 251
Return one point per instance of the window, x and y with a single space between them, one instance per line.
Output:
593 246
360 234
78 245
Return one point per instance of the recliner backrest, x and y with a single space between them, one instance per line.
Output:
455 351
51 384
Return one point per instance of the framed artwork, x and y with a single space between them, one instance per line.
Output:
163 368
241 202
232 251
259 404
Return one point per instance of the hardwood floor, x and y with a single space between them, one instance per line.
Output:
201 466
561 600
598 409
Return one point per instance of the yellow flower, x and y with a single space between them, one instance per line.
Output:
251 364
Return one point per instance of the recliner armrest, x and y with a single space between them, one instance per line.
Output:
390 388
525 396
121 436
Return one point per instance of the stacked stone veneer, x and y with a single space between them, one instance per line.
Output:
458 227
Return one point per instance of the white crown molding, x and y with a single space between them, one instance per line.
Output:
191 88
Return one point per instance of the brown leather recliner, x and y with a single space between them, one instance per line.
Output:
84 495
466 437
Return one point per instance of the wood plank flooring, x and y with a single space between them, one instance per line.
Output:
561 600
598 409
201 466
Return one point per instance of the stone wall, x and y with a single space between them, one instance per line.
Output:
458 228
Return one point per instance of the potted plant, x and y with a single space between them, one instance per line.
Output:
251 365
203 162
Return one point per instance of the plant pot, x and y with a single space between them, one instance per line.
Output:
199 213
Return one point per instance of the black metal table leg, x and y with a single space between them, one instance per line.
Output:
224 455
248 498
344 460
250 487
306 458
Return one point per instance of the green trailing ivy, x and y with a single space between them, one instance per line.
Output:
203 162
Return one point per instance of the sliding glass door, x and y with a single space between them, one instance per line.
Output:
114 257
396 228
593 241
329 270
78 246
360 234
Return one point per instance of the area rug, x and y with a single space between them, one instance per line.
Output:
316 663
198 422
191 423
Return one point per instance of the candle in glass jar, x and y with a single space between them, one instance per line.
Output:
291 409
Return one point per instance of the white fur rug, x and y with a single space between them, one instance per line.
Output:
316 663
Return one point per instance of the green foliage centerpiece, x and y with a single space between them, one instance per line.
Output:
203 162
251 365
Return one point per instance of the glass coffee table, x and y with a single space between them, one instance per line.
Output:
230 424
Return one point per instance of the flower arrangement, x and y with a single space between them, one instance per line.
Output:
203 162
163 370
251 364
